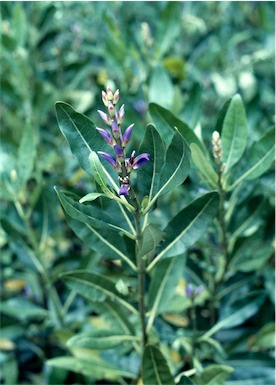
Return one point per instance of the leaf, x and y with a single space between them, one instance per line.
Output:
107 243
152 236
161 87
163 284
98 171
94 287
96 368
236 313
258 159
175 169
204 166
23 310
234 133
100 339
82 136
213 375
148 176
155 370
165 121
26 154
91 197
116 315
88 214
188 226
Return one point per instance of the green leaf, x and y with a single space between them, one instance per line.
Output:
204 166
236 313
91 197
26 154
213 375
234 133
165 121
82 136
95 287
98 171
161 87
152 236
155 370
100 339
258 159
23 310
148 176
105 242
162 286
96 368
88 214
188 226
116 315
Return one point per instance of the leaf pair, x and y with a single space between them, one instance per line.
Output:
167 168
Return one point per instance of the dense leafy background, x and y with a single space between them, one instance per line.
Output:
189 58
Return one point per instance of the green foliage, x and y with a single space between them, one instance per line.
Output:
64 317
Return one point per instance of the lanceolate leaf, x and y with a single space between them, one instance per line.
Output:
152 236
98 170
82 136
213 375
163 283
88 367
88 214
204 166
26 154
149 175
155 370
165 122
100 339
234 133
95 287
258 158
188 226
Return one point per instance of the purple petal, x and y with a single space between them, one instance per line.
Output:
111 160
104 117
115 130
121 114
127 134
189 291
106 135
140 160
118 150
124 190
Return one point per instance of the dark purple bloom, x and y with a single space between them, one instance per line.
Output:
126 135
111 160
124 189
119 152
106 135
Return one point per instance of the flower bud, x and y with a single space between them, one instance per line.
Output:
105 117
121 114
115 130
216 138
104 98
111 109
116 97
109 93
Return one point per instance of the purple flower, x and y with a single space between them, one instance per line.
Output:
106 135
111 160
119 152
105 117
134 163
115 130
124 189
126 135
189 291
121 114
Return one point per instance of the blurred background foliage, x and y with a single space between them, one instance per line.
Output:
189 57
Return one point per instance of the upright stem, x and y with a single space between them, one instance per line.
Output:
222 218
141 268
